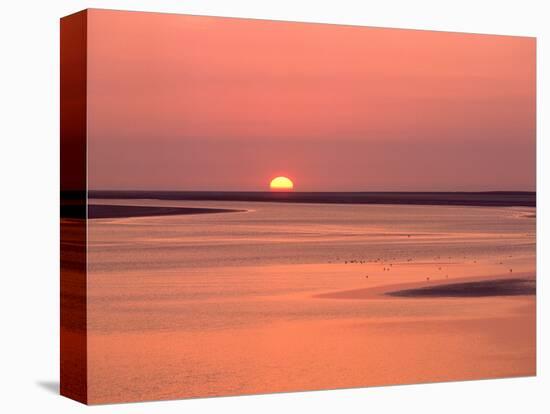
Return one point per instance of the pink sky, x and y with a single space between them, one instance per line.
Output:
181 102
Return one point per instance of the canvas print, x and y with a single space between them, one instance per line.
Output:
252 206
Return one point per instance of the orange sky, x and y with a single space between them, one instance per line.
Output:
180 102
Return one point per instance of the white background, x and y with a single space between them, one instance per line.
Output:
29 176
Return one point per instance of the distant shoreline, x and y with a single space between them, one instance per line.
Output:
480 199
104 211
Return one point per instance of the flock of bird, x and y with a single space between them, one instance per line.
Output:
387 266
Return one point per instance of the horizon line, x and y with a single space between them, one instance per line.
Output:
305 191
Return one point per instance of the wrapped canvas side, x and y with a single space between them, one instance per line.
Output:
73 340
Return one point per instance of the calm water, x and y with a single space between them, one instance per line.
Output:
198 305
271 233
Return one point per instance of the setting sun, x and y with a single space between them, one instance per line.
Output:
281 183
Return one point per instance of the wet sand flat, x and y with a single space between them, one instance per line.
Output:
495 287
290 297
523 284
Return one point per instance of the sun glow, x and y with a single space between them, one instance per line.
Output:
281 184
